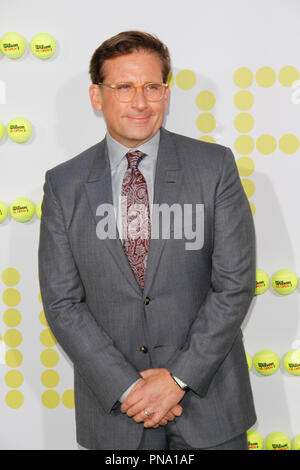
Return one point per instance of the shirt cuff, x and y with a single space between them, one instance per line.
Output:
180 383
126 393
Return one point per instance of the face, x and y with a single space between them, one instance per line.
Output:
136 122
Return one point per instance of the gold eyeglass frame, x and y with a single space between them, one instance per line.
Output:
114 87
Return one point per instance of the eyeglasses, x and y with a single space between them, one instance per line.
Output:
125 92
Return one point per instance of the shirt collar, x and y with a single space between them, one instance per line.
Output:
117 151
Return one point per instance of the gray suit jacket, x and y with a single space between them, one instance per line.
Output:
198 298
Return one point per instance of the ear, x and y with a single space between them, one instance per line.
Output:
96 97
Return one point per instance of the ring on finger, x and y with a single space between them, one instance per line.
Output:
146 413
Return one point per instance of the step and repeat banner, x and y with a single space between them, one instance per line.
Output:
235 81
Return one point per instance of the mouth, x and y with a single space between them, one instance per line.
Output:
138 119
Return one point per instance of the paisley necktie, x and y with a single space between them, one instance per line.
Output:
136 224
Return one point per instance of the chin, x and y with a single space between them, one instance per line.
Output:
139 136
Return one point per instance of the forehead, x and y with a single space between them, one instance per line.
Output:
136 66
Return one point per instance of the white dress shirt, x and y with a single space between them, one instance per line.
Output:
119 165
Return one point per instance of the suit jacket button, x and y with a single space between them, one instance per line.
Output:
144 349
146 301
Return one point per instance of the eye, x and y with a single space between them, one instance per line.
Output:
124 86
153 86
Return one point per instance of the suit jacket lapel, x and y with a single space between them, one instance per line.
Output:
167 186
99 191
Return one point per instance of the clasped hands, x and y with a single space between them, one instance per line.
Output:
154 399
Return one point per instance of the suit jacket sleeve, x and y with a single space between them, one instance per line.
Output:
232 285
92 351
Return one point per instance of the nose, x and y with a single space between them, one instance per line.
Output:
139 101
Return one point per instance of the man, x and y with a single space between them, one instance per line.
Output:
151 324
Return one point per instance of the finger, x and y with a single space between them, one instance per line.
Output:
177 410
134 396
163 422
142 416
154 419
131 400
136 409
169 416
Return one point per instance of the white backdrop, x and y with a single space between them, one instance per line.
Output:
209 43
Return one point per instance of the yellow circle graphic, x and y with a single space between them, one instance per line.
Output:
68 399
243 77
243 100
14 379
50 378
208 138
244 122
12 338
47 338
49 358
11 297
266 144
244 144
206 122
43 319
205 100
249 187
13 358
171 80
252 207
10 277
288 143
50 399
14 399
12 317
245 166
287 75
186 79
265 77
